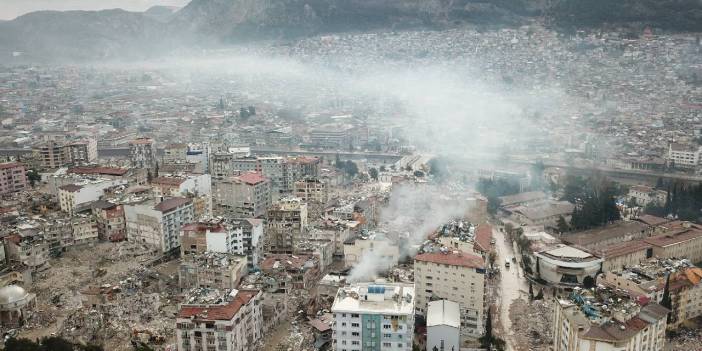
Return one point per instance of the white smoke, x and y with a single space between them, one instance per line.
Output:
412 214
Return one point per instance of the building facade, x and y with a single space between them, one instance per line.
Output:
455 276
142 153
374 317
159 224
247 195
13 178
234 325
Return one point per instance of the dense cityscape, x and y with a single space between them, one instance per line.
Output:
513 188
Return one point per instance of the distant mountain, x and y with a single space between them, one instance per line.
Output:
242 19
679 15
161 13
77 35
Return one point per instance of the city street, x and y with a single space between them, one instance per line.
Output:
512 284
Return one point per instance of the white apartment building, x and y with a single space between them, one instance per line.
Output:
455 276
606 321
370 316
242 236
72 196
159 224
195 186
684 156
234 325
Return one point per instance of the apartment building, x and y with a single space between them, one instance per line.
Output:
312 190
683 156
13 178
73 196
247 195
455 276
142 153
286 224
236 324
175 154
158 224
198 187
84 228
211 270
57 153
111 224
371 316
604 320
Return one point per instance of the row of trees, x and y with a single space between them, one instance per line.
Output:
492 189
595 202
682 201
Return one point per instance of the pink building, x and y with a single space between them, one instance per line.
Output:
13 178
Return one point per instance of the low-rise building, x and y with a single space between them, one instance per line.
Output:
377 315
235 324
644 195
684 241
567 267
85 229
443 325
624 254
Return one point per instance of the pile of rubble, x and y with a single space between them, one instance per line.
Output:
532 324
686 339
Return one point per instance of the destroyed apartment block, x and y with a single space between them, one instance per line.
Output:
212 270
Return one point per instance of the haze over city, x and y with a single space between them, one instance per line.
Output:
350 175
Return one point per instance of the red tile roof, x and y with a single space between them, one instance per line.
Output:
652 220
252 178
10 165
171 204
167 181
218 312
141 141
453 258
483 236
624 248
72 188
674 238
98 170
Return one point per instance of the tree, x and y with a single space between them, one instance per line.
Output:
33 176
486 340
531 291
562 225
382 168
373 173
419 174
351 168
149 176
13 344
156 170
665 300
492 257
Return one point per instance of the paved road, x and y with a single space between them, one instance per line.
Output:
512 285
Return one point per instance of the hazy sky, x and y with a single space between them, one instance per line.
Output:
10 9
